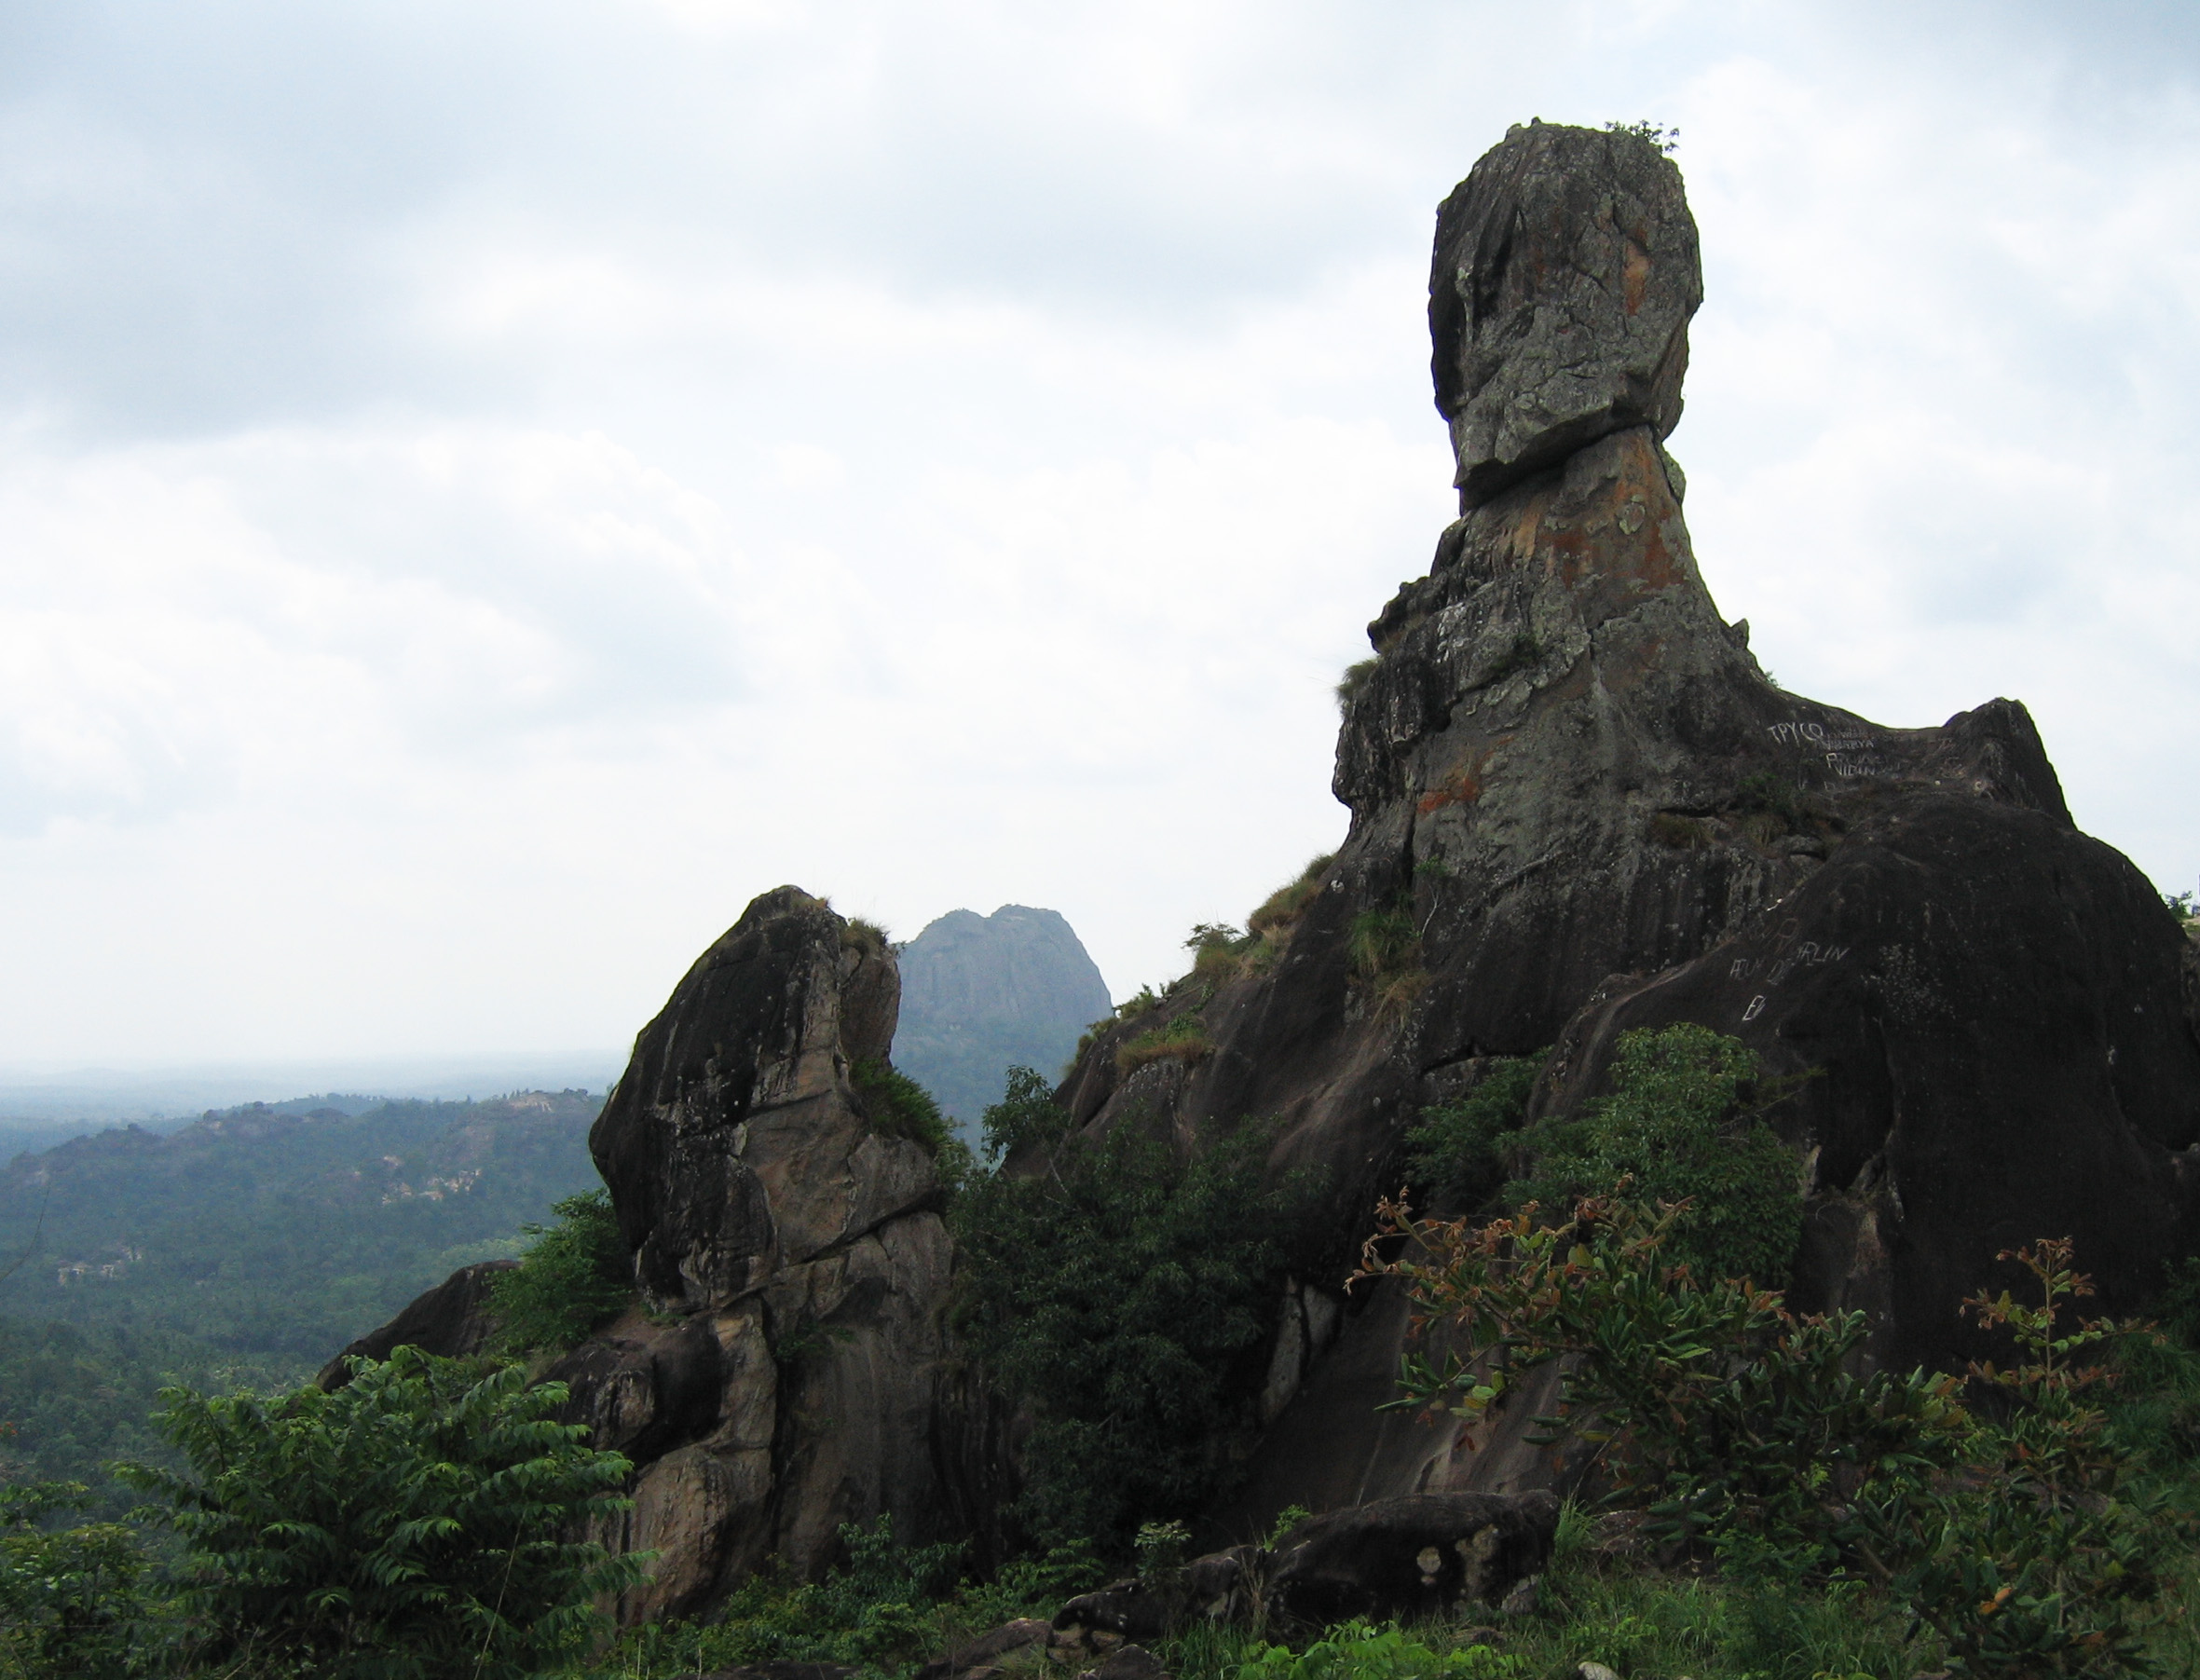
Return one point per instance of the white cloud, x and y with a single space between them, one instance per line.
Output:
493 491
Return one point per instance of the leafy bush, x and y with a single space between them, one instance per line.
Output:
1453 1149
2017 1533
1118 1292
1026 1114
576 1274
1678 1125
899 1107
882 1610
74 1602
2051 1573
1358 1651
1730 1417
413 1523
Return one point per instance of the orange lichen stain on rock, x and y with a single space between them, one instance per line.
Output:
1463 786
1634 275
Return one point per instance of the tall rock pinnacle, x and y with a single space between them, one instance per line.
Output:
1564 274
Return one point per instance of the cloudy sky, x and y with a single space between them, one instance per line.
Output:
488 488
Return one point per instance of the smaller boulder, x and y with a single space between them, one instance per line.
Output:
986 1649
1417 1554
1130 1662
451 1321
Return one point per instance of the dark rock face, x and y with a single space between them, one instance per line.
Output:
983 993
1418 1555
1574 787
797 1251
450 1321
1565 274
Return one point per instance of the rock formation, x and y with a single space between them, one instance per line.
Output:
1587 809
1578 807
781 1377
981 995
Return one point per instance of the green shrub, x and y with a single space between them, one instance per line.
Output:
898 1106
74 1602
2053 1570
1453 1148
1358 1651
416 1522
1118 1294
1678 1125
881 1610
2017 1533
1732 1419
576 1274
1769 792
1026 1114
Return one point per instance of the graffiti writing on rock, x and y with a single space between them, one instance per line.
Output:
1782 963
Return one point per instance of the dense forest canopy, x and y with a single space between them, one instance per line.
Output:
245 1248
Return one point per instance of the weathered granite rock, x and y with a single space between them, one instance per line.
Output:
800 1249
783 1373
450 1321
1588 808
1565 274
1416 1555
987 1649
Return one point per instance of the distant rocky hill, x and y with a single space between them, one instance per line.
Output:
981 995
268 1230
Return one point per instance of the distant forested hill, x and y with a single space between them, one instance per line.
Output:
248 1248
982 993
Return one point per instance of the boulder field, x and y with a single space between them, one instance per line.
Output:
1579 806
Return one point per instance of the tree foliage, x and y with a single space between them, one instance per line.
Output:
1683 1122
417 1522
2013 1529
1455 1151
576 1274
74 1601
1121 1291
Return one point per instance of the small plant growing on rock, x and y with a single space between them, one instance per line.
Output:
576 1274
1354 679
1454 1148
1650 134
1185 1039
1143 1002
898 1106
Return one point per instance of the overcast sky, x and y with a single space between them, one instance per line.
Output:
486 489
